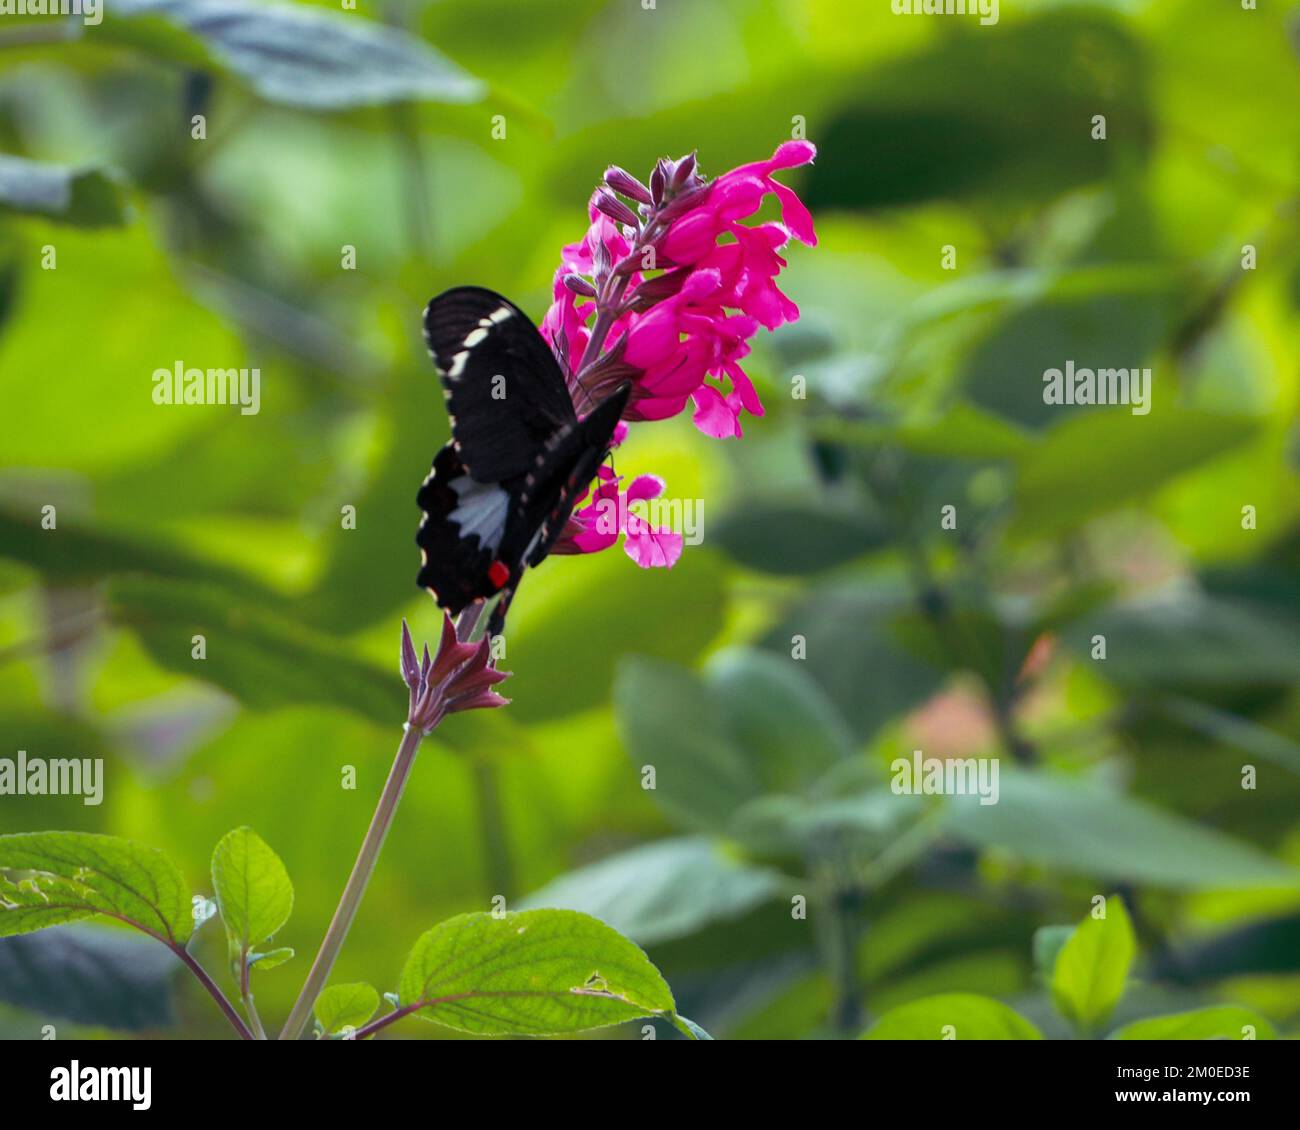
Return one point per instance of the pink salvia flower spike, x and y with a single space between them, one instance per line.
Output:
670 302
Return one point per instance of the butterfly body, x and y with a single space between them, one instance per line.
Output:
501 492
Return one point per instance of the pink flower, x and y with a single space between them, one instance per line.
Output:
653 295
738 194
608 514
649 546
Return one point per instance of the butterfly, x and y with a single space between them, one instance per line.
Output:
500 493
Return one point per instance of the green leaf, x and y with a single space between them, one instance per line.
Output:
1223 1022
346 1006
115 432
1047 945
264 660
756 723
269 661
362 581
928 141
79 554
253 889
690 1028
1090 313
662 890
1083 829
791 539
962 431
84 197
952 1016
306 57
534 972
788 729
81 874
867 823
90 975
1191 642
1092 967
271 958
1233 730
849 630
581 615
156 36
669 721
1109 458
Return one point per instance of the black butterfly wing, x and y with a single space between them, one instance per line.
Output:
505 391
461 531
561 472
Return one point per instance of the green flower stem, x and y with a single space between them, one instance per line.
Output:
842 952
211 986
246 995
253 1019
357 883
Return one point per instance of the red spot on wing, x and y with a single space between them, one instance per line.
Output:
498 573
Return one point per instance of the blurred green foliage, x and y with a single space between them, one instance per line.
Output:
822 525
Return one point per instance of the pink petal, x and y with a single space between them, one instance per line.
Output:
678 377
656 408
744 390
644 487
787 155
713 415
700 285
653 337
790 154
737 195
653 549
689 238
764 302
796 216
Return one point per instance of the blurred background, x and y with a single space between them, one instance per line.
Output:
924 390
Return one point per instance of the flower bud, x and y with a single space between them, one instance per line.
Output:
409 663
689 198
614 208
662 286
460 676
600 260
620 180
684 171
579 285
658 179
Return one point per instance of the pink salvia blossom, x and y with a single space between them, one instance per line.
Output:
653 295
609 515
